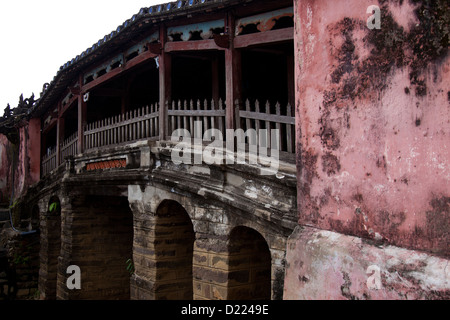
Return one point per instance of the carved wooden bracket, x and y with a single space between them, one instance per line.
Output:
222 40
75 91
154 48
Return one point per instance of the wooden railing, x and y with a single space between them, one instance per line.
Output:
184 114
253 117
49 161
69 147
132 126
143 123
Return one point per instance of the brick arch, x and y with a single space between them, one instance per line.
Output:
52 209
173 251
250 265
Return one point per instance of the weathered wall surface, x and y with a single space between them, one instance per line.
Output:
373 119
328 265
23 155
4 169
373 122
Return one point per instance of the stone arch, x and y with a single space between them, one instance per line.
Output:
54 206
173 251
250 265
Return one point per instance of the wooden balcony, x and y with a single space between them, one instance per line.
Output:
144 123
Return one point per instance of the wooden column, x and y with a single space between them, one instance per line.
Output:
165 92
232 73
82 116
59 135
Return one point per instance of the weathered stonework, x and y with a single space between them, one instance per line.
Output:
194 229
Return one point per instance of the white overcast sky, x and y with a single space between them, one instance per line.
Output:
38 36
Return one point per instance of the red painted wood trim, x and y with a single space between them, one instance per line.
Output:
264 37
191 46
113 73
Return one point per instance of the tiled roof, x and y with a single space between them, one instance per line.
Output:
109 42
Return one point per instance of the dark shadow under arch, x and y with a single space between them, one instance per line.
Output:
173 245
250 265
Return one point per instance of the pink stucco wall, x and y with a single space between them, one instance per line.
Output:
26 155
373 127
373 132
373 121
4 169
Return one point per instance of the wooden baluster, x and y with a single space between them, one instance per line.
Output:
103 131
152 125
173 123
108 131
111 130
115 129
94 135
278 126
191 118
213 119
268 126
221 119
141 124
129 127
180 123
183 106
94 138
86 137
99 134
257 124
205 119
155 126
247 120
124 127
147 122
289 130
120 128
129 132
132 126
137 124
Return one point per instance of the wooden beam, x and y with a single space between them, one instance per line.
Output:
102 79
191 45
117 71
264 37
67 106
49 126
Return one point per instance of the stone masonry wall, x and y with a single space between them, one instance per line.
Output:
97 237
